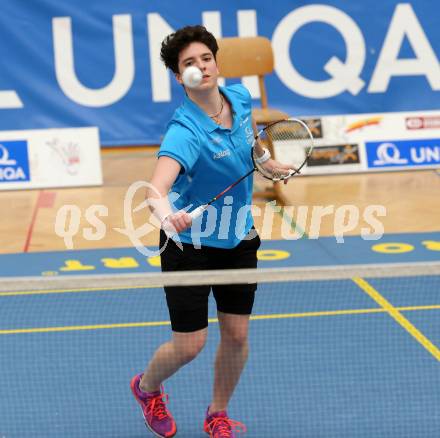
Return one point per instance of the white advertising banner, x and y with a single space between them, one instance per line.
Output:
373 142
43 158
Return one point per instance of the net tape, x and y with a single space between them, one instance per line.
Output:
212 277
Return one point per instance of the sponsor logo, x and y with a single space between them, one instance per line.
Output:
403 153
315 126
331 155
388 153
216 140
4 157
428 122
14 161
360 124
245 120
67 153
249 132
222 154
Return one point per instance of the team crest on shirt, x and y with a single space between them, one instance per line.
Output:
249 135
216 140
243 121
221 154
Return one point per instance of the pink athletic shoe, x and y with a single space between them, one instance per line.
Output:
156 415
219 425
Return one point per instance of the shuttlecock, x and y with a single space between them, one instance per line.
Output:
192 76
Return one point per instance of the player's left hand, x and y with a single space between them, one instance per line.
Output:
275 167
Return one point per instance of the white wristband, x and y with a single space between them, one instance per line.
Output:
265 157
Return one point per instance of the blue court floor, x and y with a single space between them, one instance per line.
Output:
327 360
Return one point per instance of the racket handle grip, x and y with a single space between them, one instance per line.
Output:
198 211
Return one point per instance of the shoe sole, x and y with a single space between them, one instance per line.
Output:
153 432
145 420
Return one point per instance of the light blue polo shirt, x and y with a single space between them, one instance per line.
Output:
213 157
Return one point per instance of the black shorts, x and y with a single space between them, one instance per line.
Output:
188 305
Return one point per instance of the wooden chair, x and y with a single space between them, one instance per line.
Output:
252 56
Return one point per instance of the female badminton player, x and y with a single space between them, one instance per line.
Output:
206 147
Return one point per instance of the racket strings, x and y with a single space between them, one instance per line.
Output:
293 142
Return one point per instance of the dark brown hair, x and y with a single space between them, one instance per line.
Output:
173 44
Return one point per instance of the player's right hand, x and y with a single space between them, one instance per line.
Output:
177 222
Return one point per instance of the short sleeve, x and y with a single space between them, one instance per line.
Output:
181 144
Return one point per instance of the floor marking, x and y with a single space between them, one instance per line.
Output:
397 316
290 220
44 200
79 290
212 320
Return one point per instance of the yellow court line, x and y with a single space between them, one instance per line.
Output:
84 327
397 316
80 290
211 320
